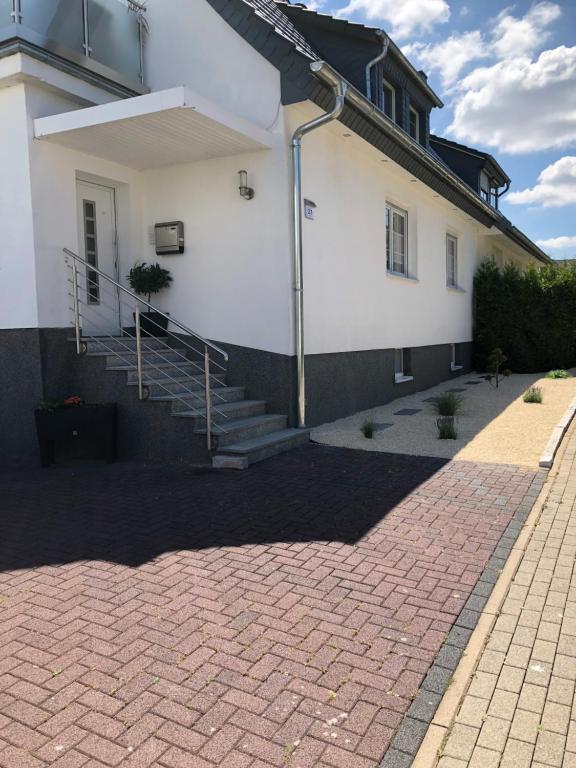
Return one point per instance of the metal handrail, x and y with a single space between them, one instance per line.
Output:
205 369
135 296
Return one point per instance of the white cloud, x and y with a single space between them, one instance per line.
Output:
450 56
557 243
508 37
519 37
519 105
405 17
556 186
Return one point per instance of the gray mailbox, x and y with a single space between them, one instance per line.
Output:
169 237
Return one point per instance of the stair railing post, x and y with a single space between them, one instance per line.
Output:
139 352
77 328
208 398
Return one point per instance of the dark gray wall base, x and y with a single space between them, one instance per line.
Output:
413 728
22 388
344 383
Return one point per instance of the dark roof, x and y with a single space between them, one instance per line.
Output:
298 11
268 10
490 161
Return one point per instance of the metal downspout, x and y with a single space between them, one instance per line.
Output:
377 60
340 88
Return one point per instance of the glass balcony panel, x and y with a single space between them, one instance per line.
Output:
5 13
59 21
115 36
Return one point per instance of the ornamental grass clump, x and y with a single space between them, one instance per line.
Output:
533 395
559 373
448 404
447 430
368 430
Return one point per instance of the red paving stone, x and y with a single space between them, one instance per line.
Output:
284 616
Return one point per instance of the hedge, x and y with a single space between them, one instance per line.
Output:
530 315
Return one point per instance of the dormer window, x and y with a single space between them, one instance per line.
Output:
488 192
389 100
414 124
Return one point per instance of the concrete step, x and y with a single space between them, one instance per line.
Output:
181 398
177 385
226 413
244 429
240 455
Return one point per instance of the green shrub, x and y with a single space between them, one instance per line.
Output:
147 279
559 373
529 315
532 395
447 404
447 431
368 430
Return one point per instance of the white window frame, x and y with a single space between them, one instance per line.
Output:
414 111
451 270
391 262
386 84
400 376
454 366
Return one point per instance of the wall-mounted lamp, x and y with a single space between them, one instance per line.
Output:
245 191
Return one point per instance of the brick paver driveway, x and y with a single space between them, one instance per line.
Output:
282 616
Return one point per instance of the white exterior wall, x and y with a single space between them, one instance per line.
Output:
351 303
190 44
18 302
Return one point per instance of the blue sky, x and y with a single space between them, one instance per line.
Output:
507 75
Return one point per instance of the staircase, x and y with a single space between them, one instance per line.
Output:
175 370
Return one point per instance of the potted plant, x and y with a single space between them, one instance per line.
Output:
75 428
447 406
148 280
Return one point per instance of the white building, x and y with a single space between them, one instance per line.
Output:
115 118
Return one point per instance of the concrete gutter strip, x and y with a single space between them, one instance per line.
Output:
547 458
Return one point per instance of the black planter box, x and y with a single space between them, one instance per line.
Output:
153 324
77 432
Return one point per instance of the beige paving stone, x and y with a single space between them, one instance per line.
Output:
461 742
532 698
525 726
517 754
539 588
451 762
571 740
567 646
544 650
560 691
556 599
517 592
565 667
556 718
548 631
518 656
534 603
550 748
569 626
503 704
494 733
483 685
473 711
484 758
539 673
529 618
506 623
524 636
491 661
553 614
499 641
511 679
569 760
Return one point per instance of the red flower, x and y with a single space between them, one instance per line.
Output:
74 400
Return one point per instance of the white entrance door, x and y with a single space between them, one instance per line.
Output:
96 207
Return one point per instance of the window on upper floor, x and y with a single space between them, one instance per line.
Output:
389 100
414 124
451 261
488 192
396 240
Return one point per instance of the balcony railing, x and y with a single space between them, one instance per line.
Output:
88 32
